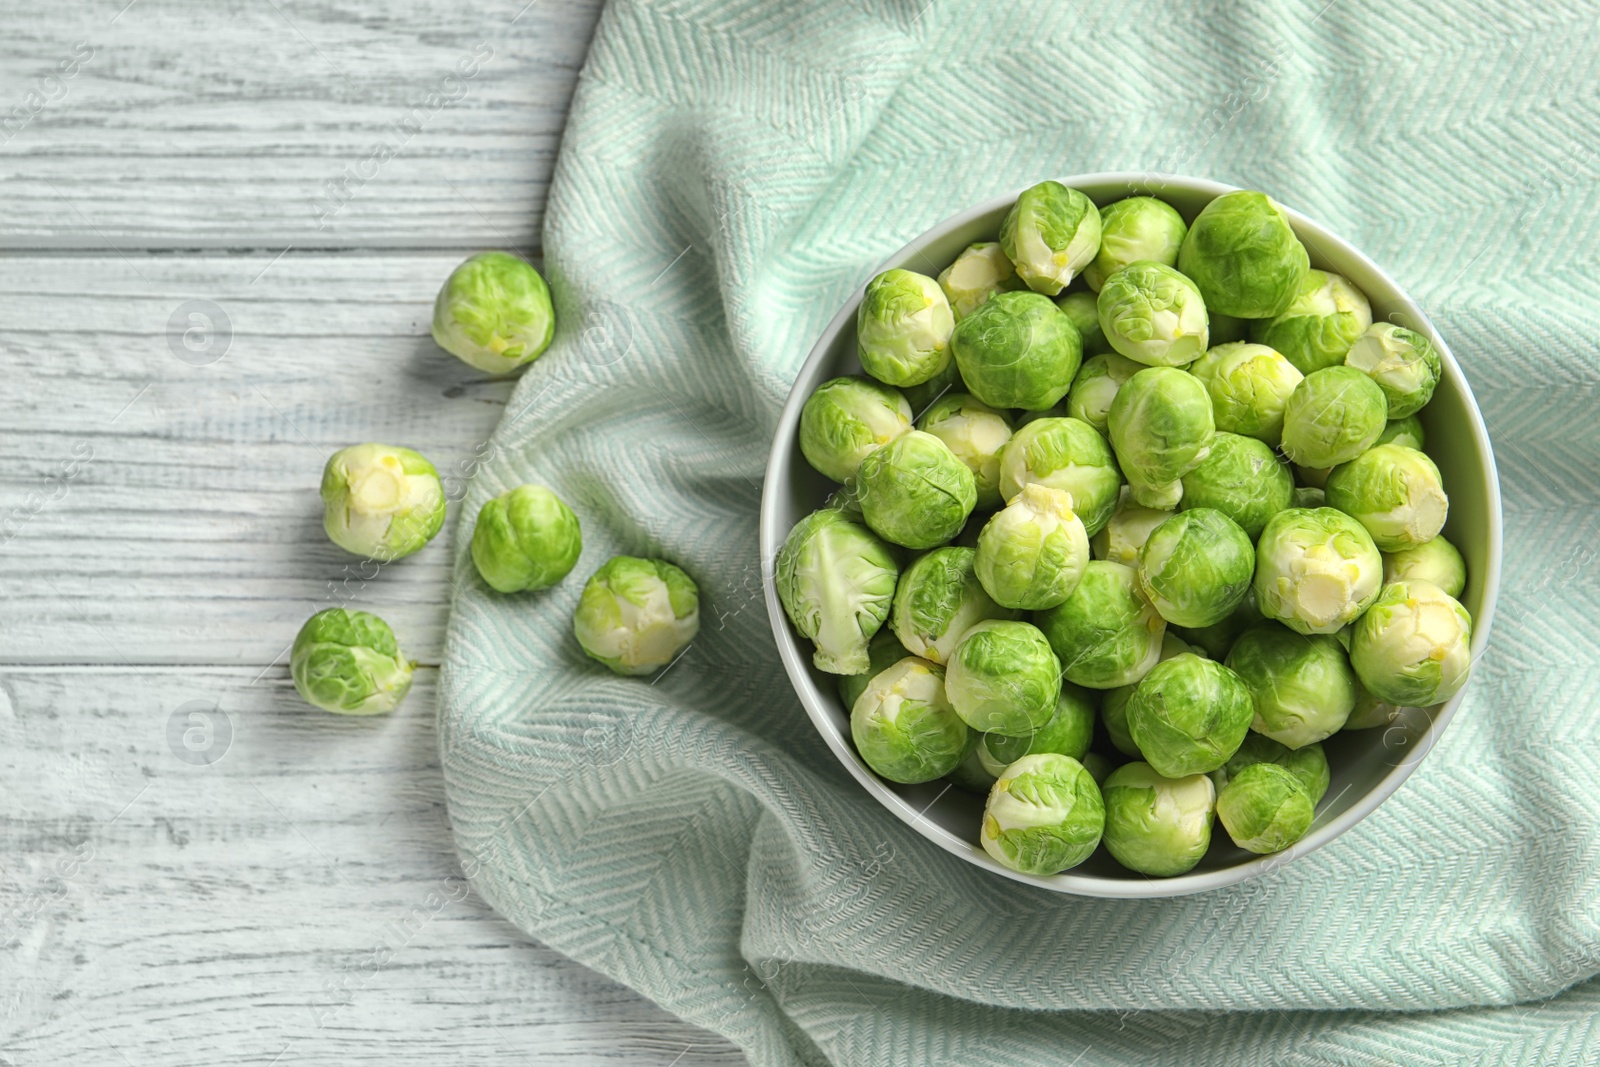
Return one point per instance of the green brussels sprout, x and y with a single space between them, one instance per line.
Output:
1189 715
1413 646
976 433
1317 570
1135 229
638 615
938 599
1250 386
1114 709
1121 538
883 652
915 492
845 420
1332 417
349 662
1311 477
1106 633
1068 455
903 724
1098 766
1044 815
1309 763
1437 561
1395 492
1301 684
526 538
1003 678
1032 553
970 775
1081 308
1226 329
1320 325
1096 386
1264 808
903 328
1242 253
1404 363
1161 428
1369 711
1050 234
1153 315
1308 496
921 397
1215 640
1406 431
1068 732
494 313
836 581
1243 479
979 272
1017 350
381 502
1196 567
1154 824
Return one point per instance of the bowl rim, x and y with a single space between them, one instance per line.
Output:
791 652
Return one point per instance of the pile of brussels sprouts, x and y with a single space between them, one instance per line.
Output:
1134 515
384 503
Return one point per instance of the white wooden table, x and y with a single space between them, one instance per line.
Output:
296 900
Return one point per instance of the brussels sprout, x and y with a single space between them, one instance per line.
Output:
1096 386
1226 329
1320 325
1081 308
845 420
1242 253
638 615
970 775
1031 555
1302 685
1121 538
1413 646
915 492
904 727
1153 315
1003 678
979 272
938 599
1264 808
1189 715
1068 732
1309 764
1196 567
1017 350
1106 633
1406 431
1044 815
1243 479
1050 234
381 502
348 662
1098 766
1215 640
903 328
1369 711
1311 477
883 652
1437 561
976 433
1135 229
836 581
1161 428
1395 492
1154 824
1316 570
1332 417
1250 386
1404 363
526 538
1064 454
494 313
921 397
1308 496
1114 709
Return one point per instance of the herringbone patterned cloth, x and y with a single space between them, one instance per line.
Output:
732 170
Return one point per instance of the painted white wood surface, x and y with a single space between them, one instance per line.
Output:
298 900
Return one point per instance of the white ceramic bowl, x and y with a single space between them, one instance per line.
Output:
1367 765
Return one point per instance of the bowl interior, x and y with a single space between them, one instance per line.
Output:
1366 765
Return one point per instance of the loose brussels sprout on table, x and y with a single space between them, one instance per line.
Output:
1161 428
1395 492
1155 824
1319 326
1137 228
637 615
1317 570
349 662
1003 678
1437 561
904 726
977 274
526 538
1044 815
1243 479
915 492
380 501
1301 684
846 420
1106 633
976 433
1031 554
1308 763
1243 255
1083 310
1050 234
1264 808
1064 454
1196 567
1095 388
1412 647
1120 540
1403 363
903 328
1069 732
1332 417
1250 386
1017 350
494 313
938 599
1153 315
836 581
1189 715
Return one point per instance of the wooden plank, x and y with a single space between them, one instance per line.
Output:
297 900
183 124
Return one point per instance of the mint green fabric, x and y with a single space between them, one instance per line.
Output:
732 171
